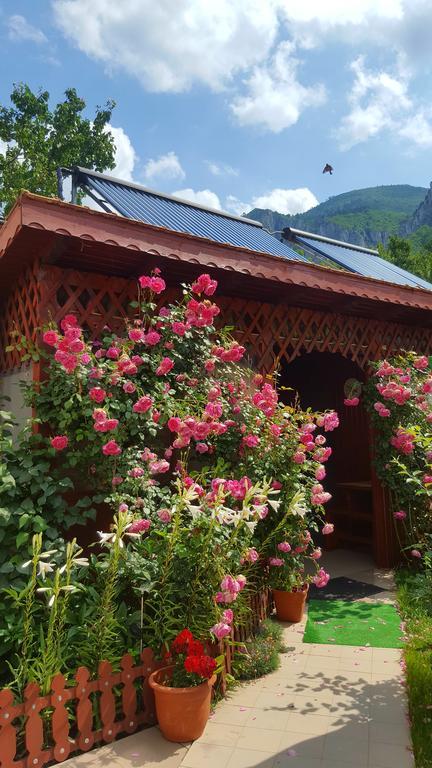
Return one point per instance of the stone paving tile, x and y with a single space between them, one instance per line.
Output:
249 758
390 756
208 755
147 748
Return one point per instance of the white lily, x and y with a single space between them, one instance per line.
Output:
45 568
48 553
106 537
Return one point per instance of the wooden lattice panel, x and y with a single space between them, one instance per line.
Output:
272 333
275 332
20 312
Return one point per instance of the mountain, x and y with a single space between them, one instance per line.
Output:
362 216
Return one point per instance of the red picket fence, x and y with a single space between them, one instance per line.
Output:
72 719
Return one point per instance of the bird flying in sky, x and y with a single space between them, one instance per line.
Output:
328 169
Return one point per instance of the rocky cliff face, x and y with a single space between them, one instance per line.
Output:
422 216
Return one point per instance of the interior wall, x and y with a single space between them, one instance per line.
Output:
317 381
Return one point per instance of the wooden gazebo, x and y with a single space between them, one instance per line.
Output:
58 258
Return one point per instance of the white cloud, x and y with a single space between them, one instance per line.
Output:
19 29
274 97
418 129
3 147
378 100
201 197
171 45
164 167
236 206
287 201
125 155
221 169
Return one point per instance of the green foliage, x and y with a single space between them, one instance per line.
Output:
404 254
40 139
33 500
417 616
260 655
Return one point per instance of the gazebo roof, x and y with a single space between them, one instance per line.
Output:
92 241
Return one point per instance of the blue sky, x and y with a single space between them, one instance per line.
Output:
240 103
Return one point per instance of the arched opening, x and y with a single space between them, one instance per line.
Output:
318 380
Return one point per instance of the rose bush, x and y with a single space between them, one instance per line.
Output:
399 399
210 478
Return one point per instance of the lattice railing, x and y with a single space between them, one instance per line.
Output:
271 332
74 718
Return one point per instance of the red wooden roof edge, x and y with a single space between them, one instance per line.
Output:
64 219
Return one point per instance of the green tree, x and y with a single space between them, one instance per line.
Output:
404 254
40 139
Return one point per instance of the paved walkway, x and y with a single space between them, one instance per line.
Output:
325 707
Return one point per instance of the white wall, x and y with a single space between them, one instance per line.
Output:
10 386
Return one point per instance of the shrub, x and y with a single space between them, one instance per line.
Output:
260 655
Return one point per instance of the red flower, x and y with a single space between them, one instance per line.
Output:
204 666
180 644
97 394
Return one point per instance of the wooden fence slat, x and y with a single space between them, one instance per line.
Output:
8 712
59 719
107 701
84 711
34 736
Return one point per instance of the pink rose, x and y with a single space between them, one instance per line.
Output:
97 394
59 442
164 515
400 515
252 441
327 529
276 561
204 284
136 334
228 616
321 579
179 328
111 448
139 526
283 546
155 284
351 401
143 404
220 630
415 553
51 338
165 366
152 338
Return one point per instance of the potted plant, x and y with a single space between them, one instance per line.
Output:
290 576
183 689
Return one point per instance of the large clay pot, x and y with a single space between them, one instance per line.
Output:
290 605
182 713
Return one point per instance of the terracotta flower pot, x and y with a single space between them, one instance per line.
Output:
182 713
290 605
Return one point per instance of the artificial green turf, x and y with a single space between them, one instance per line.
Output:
353 623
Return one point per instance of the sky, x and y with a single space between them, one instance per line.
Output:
240 103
